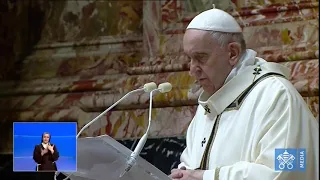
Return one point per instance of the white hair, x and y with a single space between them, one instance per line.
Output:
224 39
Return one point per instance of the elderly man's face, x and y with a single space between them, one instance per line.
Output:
209 63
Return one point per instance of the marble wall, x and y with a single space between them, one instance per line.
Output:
90 53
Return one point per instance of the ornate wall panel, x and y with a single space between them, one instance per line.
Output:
83 47
93 52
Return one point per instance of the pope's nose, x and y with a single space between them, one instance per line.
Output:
195 71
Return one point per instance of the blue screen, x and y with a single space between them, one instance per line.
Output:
29 134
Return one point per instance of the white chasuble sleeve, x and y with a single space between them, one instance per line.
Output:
186 156
193 151
285 123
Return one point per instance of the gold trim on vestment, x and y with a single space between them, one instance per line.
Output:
204 165
245 93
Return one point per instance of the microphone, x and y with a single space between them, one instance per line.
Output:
149 87
163 88
146 88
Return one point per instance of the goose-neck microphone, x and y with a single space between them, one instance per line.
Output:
163 88
149 87
146 88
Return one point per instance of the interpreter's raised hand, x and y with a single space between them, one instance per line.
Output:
50 147
181 174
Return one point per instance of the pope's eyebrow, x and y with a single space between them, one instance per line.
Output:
196 54
200 54
185 54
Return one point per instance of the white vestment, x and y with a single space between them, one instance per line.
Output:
271 115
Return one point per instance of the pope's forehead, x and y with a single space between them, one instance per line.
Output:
197 39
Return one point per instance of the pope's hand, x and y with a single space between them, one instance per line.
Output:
176 174
181 174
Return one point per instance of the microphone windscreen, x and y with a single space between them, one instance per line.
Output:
150 87
165 87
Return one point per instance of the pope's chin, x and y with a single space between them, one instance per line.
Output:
207 87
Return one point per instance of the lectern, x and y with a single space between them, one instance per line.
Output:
103 158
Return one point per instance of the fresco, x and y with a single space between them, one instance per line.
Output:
90 53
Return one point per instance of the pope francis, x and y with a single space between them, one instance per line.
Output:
251 123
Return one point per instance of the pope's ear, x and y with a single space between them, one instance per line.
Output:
234 52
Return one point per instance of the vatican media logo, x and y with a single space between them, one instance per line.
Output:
290 159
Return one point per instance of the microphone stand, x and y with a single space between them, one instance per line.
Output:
163 88
149 87
104 112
